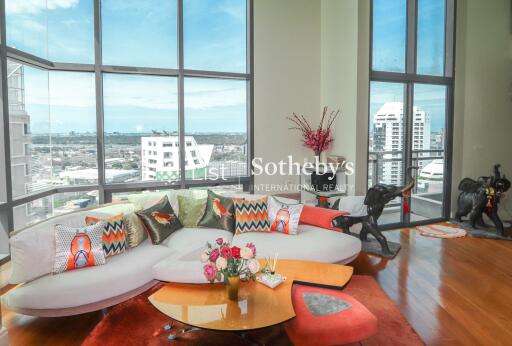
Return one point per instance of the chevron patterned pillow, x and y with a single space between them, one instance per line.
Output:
114 233
251 215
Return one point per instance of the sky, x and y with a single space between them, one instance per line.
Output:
135 33
389 30
143 33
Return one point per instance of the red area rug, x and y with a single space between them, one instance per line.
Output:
137 322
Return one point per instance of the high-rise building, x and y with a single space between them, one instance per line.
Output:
388 140
19 129
161 158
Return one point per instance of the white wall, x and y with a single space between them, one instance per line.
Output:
306 56
287 78
345 58
483 92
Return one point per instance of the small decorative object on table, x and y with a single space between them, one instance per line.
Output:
230 264
269 277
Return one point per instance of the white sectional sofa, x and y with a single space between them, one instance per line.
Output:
130 273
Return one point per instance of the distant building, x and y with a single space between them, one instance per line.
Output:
160 158
89 176
388 137
430 178
19 130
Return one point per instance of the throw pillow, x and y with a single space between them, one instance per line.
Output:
114 233
321 217
160 221
78 247
284 218
191 210
220 212
251 215
135 232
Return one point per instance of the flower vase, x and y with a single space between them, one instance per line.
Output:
232 287
319 155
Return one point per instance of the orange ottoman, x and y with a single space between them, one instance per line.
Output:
328 317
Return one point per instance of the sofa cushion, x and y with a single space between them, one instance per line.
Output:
284 217
181 268
114 233
33 248
310 244
251 215
160 221
135 232
77 248
187 245
219 213
189 239
191 210
121 274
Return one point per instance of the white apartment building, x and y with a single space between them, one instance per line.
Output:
388 137
161 158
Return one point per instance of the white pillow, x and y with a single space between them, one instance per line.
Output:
284 218
32 254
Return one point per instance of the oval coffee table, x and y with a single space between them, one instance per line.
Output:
207 306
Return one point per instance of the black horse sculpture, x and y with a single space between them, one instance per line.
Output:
482 196
376 199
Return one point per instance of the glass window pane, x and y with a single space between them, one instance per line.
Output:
215 35
47 149
60 31
428 150
215 128
58 204
389 35
431 37
139 33
386 140
141 124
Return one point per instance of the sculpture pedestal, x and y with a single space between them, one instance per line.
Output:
4 341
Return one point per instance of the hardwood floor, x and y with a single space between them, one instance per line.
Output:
453 292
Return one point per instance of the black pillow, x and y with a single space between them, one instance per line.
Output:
160 221
220 213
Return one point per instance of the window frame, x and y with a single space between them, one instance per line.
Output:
409 78
106 190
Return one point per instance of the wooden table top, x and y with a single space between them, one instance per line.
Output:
207 305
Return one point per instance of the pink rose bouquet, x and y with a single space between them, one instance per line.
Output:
223 260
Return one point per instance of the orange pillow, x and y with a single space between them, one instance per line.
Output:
320 217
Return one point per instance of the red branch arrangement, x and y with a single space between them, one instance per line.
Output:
318 139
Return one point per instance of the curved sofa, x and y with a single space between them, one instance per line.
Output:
128 274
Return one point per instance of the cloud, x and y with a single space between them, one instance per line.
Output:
36 6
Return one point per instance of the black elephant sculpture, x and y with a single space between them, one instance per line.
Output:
376 199
482 196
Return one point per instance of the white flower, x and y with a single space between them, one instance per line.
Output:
221 263
246 253
254 266
204 257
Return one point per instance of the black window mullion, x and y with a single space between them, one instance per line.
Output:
181 95
411 36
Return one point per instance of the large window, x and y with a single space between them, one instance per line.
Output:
411 83
117 96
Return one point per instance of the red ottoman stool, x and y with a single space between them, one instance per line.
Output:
328 317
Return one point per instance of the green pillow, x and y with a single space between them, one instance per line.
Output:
191 210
